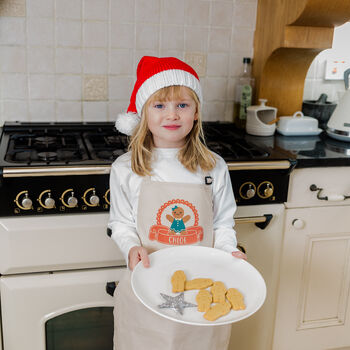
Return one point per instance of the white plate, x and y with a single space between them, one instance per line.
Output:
197 262
299 133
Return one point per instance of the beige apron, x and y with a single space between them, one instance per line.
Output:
169 214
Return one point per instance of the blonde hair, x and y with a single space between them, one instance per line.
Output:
192 154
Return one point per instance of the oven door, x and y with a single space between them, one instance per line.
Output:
61 310
263 248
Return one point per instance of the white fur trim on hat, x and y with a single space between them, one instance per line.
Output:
127 122
163 79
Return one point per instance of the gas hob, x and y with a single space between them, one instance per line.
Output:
58 168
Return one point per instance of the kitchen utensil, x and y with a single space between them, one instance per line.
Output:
298 125
197 262
338 125
261 119
319 109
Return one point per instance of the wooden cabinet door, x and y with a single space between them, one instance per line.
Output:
313 311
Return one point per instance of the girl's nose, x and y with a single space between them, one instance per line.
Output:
172 113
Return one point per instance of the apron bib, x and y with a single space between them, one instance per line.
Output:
169 214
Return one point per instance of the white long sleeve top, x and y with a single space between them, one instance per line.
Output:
125 190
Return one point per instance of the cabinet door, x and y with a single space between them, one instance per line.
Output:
312 308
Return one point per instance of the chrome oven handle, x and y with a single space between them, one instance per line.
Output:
259 221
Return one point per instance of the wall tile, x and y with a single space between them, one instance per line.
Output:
40 8
42 111
214 111
196 38
68 87
197 12
42 87
13 8
95 10
40 31
41 60
219 40
218 64
116 107
95 87
95 61
172 37
14 86
122 11
221 13
147 36
173 12
122 35
68 60
68 111
245 14
95 111
147 11
69 9
121 62
12 31
120 88
15 110
215 89
95 34
13 59
242 39
68 33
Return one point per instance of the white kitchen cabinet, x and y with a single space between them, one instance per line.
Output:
313 311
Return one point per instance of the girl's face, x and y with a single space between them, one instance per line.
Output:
171 121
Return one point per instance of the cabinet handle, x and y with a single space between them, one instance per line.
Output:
331 198
298 224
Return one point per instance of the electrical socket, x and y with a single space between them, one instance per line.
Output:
198 61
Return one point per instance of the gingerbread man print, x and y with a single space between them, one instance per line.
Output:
178 220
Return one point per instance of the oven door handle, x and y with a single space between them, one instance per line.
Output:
259 221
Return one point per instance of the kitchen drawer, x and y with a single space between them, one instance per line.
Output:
335 182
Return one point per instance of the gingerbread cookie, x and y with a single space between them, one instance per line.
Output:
198 283
178 281
218 290
204 299
236 299
217 311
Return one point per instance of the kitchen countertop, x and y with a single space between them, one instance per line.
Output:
308 151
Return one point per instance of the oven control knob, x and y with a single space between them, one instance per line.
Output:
26 202
250 192
72 201
49 202
265 189
247 190
94 200
268 191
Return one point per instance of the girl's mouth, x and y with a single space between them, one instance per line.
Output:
171 127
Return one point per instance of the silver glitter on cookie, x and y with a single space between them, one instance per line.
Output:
176 303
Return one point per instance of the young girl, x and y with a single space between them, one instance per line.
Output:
168 190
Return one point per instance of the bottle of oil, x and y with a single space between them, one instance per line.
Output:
243 94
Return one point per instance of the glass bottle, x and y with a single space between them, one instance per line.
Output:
243 94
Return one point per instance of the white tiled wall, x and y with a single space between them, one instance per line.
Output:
315 82
75 60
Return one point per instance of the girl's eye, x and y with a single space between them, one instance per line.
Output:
159 105
182 105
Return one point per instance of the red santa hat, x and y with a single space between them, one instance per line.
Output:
153 74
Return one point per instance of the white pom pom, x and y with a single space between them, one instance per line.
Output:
127 122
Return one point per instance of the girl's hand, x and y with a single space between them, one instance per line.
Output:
240 255
137 254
